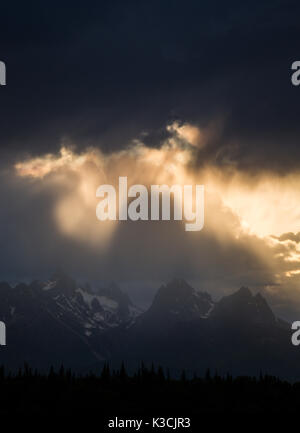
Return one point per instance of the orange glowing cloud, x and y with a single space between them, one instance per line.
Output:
238 208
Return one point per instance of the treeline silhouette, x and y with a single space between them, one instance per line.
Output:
149 391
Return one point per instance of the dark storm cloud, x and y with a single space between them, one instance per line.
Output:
104 72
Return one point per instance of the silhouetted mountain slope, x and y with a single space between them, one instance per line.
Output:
175 302
179 299
239 334
59 321
242 306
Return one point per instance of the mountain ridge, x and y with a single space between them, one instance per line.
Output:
59 321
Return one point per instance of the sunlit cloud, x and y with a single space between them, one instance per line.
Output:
78 175
264 206
261 212
186 133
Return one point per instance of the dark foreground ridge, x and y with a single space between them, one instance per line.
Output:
148 392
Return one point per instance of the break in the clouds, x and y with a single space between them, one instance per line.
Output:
244 239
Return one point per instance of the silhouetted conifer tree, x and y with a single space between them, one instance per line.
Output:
123 374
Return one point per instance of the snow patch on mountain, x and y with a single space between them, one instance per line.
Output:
105 302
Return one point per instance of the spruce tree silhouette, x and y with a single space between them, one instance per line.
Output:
146 391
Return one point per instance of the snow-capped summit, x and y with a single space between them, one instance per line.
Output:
89 311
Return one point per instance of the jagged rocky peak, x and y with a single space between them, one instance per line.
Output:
179 298
94 308
113 298
244 292
244 305
61 283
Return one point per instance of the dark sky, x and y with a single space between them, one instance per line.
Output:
102 73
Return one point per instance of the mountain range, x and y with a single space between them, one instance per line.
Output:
61 322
